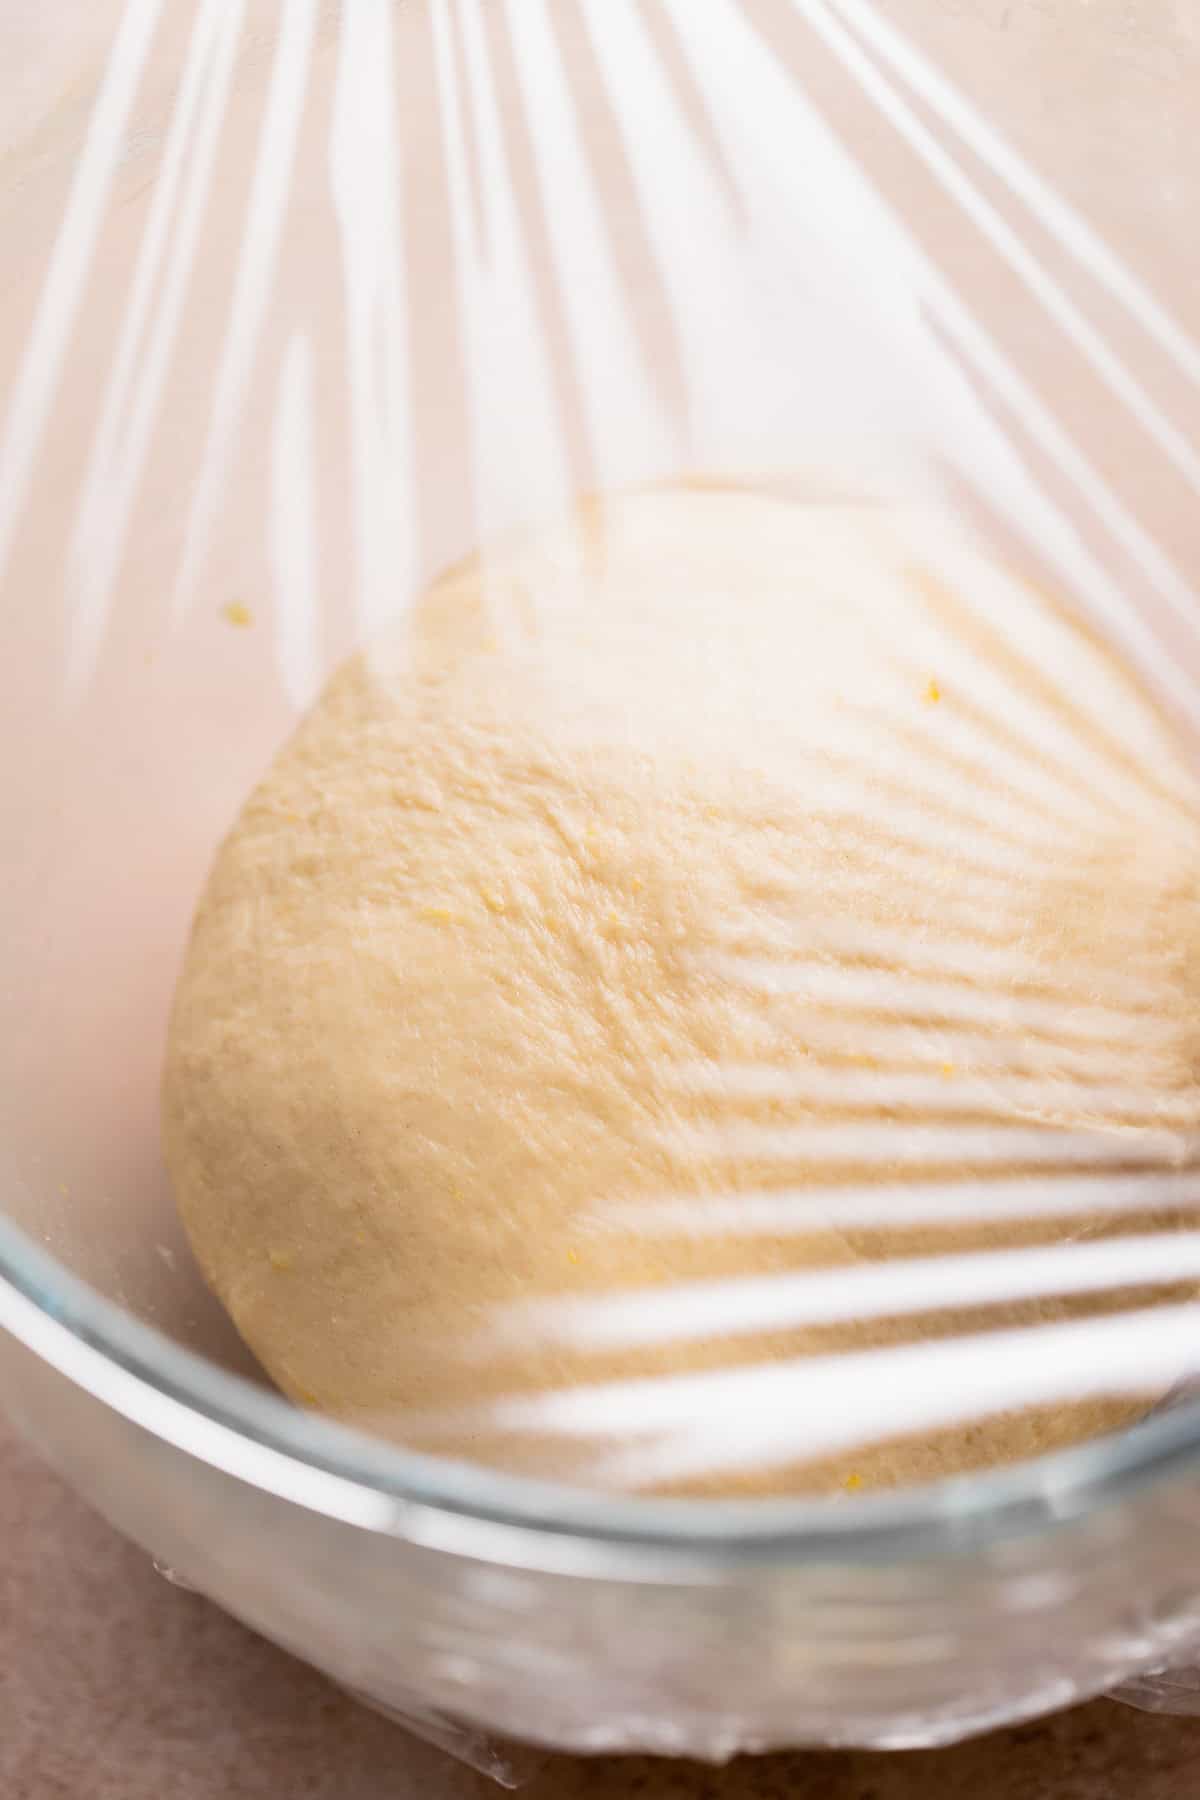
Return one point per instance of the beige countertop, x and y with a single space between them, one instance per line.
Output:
116 1686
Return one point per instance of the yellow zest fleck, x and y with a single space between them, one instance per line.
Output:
637 884
439 915
933 694
853 1483
572 1256
238 615
307 1397
64 1190
947 1070
280 1261
494 902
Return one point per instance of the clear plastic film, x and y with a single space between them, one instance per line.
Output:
305 304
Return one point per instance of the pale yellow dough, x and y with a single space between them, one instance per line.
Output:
520 930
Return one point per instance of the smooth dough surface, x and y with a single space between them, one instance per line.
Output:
703 854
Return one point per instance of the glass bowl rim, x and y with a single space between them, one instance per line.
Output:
255 1436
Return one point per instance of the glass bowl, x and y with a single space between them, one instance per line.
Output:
299 303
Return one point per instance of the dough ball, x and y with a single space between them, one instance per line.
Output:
668 883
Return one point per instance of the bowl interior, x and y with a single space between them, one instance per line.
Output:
303 309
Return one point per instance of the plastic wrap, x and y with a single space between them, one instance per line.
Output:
302 303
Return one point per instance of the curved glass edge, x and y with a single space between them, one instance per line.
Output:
258 1437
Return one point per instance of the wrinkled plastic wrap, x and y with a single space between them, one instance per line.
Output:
301 302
